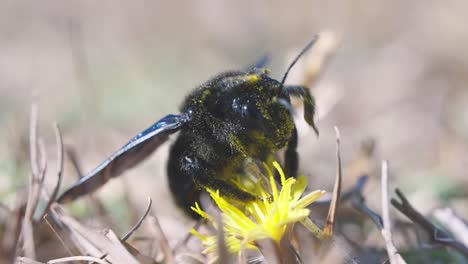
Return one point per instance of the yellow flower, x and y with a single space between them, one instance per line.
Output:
269 217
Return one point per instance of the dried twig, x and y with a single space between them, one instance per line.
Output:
132 209
360 164
34 179
58 236
33 138
39 179
138 224
94 202
77 258
282 252
59 142
24 260
436 234
187 237
91 242
270 250
328 230
155 229
12 232
73 157
38 165
223 254
358 202
395 257
28 238
242 258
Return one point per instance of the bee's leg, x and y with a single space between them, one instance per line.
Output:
291 158
309 102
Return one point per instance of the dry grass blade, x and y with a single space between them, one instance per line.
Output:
134 252
187 237
288 250
243 259
39 164
57 235
142 258
269 250
94 243
33 138
73 157
28 238
138 224
94 203
39 179
395 257
77 258
59 142
328 230
156 231
24 260
436 234
223 254
34 179
12 232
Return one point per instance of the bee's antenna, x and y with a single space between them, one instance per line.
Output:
304 50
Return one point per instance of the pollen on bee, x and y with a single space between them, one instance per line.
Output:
252 78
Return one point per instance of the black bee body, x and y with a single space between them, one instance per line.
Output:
235 118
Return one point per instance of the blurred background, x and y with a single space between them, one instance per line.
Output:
105 70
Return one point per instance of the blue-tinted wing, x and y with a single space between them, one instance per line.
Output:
261 63
135 151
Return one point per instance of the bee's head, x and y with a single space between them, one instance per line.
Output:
242 96
252 98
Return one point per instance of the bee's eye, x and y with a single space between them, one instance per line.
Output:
245 108
240 106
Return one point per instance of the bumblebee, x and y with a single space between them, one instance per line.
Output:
233 118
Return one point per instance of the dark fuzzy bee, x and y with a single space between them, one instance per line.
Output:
234 118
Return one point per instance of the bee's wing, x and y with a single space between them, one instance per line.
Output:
261 63
132 153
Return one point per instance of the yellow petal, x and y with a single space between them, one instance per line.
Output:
274 188
233 212
197 234
199 211
281 172
308 199
298 187
295 216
